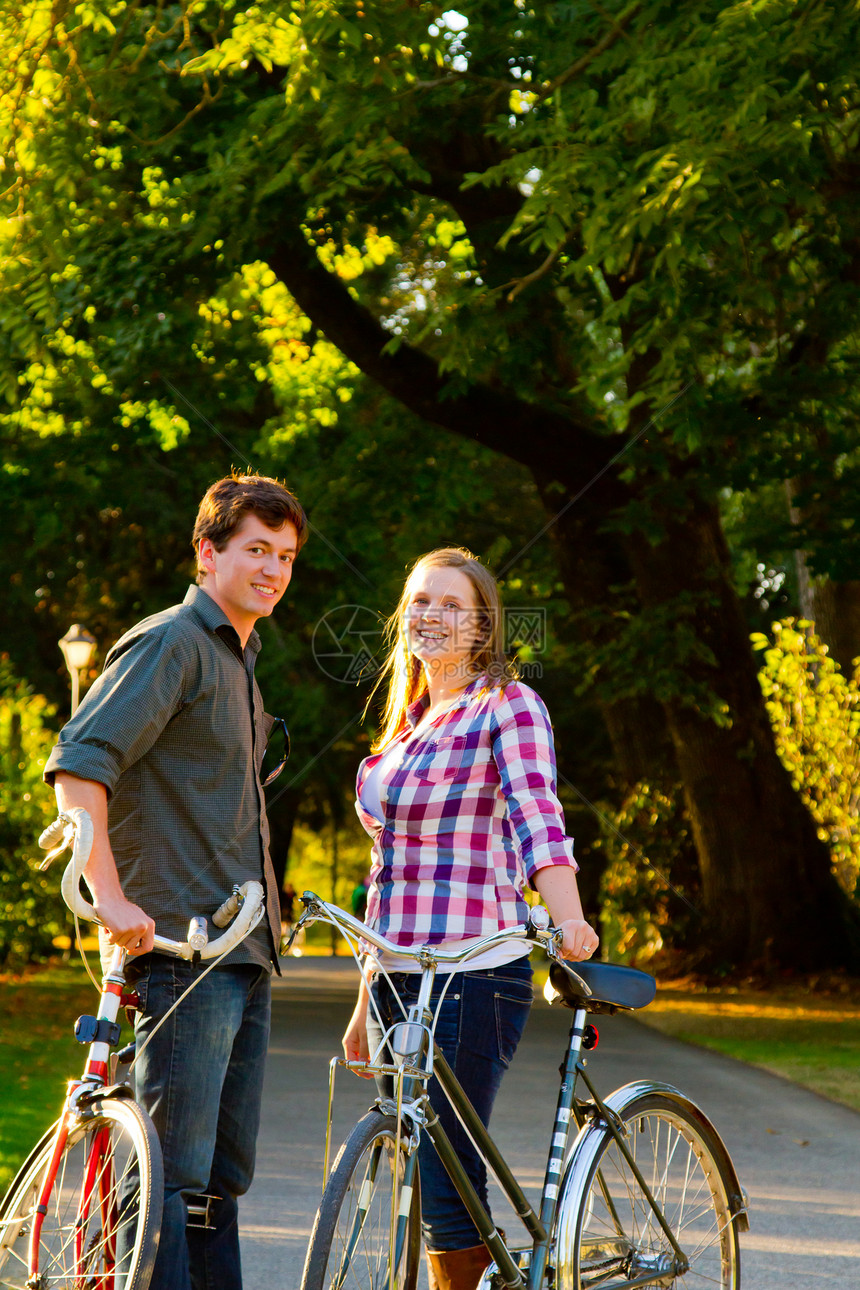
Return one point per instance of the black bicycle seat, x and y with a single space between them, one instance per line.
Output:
612 986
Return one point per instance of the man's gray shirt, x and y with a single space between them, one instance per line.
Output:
175 730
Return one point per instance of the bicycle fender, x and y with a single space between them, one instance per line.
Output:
628 1093
587 1145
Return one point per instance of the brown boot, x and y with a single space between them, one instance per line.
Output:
457 1269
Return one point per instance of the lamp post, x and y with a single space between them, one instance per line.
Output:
78 646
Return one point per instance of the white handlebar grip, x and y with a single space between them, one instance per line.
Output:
249 899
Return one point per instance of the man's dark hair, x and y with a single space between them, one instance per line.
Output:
229 500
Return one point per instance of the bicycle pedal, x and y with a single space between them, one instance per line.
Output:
200 1211
491 1277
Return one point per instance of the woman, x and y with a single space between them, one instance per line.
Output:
459 799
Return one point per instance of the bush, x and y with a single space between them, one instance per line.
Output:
649 890
31 909
815 713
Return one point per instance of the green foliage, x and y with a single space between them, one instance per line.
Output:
31 909
649 891
38 1055
636 224
652 653
650 873
331 871
815 713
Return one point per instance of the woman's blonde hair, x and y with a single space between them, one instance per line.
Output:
406 679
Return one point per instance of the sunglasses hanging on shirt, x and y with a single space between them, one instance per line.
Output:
278 725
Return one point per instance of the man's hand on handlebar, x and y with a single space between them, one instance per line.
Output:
127 925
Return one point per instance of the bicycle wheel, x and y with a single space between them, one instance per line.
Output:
103 1212
607 1233
351 1243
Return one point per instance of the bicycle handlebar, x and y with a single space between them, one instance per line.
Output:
75 826
539 930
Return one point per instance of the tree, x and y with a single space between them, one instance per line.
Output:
617 244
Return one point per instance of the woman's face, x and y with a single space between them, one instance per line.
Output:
442 622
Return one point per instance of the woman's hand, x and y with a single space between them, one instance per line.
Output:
557 886
354 1042
355 1037
579 939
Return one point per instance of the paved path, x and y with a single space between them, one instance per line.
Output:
797 1154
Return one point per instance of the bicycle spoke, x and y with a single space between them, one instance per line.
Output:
351 1248
99 1229
621 1241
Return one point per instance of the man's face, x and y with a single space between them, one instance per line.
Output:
248 578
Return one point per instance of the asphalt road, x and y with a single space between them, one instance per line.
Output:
798 1155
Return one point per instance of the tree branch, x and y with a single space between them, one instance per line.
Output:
616 31
520 284
538 437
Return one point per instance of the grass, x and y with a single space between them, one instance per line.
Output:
800 1031
38 1054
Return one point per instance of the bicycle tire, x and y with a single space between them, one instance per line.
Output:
118 1228
351 1240
606 1232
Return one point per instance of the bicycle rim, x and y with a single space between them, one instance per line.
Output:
351 1244
618 1237
101 1225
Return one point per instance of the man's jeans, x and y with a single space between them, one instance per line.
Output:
201 1080
481 1023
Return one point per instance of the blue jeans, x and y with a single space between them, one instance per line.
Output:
482 1020
201 1081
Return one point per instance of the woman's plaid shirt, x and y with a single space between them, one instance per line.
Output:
471 814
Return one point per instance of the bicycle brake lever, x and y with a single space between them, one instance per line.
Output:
574 975
55 839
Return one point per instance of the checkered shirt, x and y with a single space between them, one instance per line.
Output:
470 815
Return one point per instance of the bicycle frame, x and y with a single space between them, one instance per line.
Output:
539 1225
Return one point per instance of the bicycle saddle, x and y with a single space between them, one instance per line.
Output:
612 986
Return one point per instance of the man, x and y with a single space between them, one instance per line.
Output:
165 754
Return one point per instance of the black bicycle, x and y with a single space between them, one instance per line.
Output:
639 1188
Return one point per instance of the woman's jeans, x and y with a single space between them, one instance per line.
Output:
482 1020
201 1081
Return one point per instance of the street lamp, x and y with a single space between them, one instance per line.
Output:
78 646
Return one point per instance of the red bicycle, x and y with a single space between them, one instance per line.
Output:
84 1210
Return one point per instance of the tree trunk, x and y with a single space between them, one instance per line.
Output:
832 607
636 727
768 890
590 568
836 614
